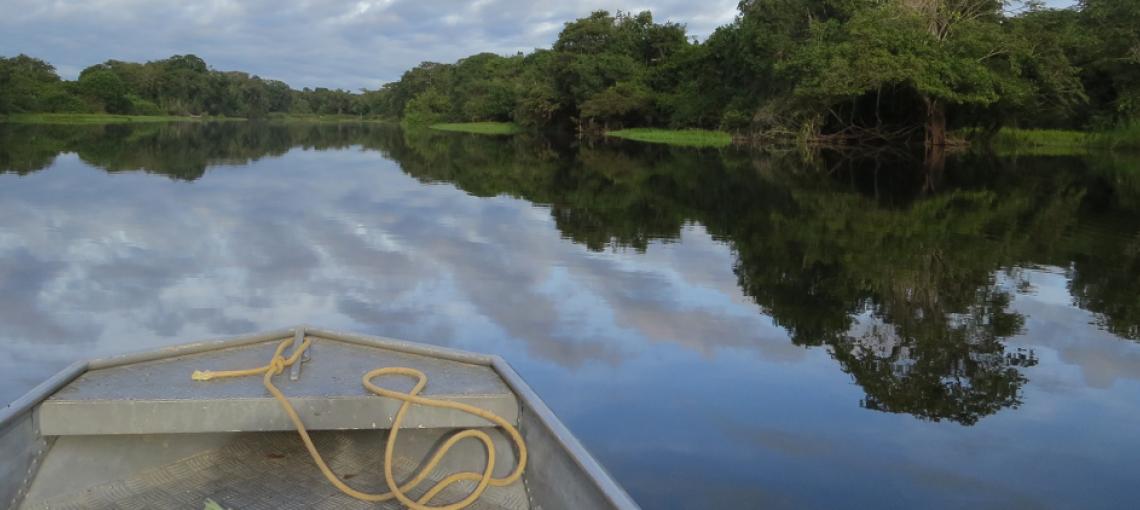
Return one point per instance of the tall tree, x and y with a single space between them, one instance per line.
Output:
105 88
27 85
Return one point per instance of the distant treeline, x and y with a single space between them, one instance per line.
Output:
839 70
179 85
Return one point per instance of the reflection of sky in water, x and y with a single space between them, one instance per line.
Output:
657 360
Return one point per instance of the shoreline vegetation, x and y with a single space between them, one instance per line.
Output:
1006 139
105 118
480 128
678 137
818 72
1122 138
329 118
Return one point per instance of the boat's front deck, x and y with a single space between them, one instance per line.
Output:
158 396
265 470
135 432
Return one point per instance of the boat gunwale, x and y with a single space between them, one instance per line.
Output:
526 395
172 351
35 396
580 455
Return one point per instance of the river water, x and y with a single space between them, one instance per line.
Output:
722 329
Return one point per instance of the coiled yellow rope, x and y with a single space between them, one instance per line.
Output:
486 479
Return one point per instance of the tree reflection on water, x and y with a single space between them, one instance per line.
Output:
905 272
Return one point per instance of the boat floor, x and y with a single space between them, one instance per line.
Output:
263 470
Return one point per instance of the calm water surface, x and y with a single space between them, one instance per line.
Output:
721 329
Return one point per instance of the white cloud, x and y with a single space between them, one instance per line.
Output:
338 43
110 263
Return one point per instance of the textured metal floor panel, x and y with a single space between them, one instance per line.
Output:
259 471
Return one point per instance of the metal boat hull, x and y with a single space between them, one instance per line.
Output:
116 433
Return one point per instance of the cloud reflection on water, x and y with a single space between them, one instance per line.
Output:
663 340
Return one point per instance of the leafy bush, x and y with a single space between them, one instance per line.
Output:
430 107
735 121
62 102
140 106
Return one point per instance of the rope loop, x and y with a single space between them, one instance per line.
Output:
484 479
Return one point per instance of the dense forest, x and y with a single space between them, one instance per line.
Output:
838 69
830 70
179 85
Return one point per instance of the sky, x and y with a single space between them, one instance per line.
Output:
307 43
349 44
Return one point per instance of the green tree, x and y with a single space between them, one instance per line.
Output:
102 86
429 107
538 102
593 55
941 51
622 103
1110 58
31 85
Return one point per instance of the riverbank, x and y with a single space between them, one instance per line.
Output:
333 119
1022 141
106 118
1066 141
102 118
482 128
679 137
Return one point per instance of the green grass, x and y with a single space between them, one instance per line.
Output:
482 128
100 118
305 117
1126 137
682 137
1040 138
1061 142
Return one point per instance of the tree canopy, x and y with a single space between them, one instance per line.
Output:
838 70
179 85
842 70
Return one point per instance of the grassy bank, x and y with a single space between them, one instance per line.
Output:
1039 138
333 119
101 118
1064 141
482 128
682 137
105 118
1125 137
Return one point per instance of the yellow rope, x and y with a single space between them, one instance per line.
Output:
278 364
